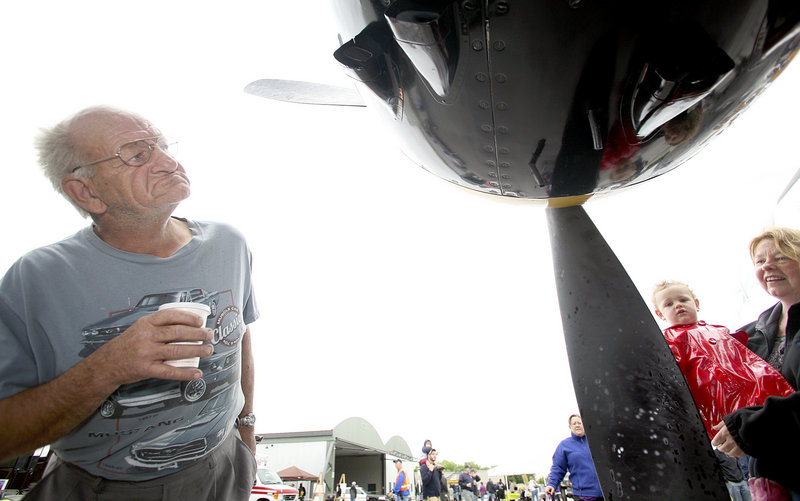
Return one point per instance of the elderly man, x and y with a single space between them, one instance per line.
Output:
84 367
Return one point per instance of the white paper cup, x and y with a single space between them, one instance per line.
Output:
199 309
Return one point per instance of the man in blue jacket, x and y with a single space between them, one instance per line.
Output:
573 454
401 487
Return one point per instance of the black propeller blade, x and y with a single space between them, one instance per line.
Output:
644 431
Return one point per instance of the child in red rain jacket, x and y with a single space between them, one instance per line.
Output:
722 373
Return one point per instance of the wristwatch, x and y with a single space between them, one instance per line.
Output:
246 420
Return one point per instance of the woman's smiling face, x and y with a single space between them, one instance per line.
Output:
778 274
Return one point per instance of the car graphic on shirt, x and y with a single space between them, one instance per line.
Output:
185 443
220 370
99 333
220 373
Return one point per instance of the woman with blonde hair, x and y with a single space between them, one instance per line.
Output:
770 434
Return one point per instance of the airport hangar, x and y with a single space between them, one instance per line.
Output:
353 448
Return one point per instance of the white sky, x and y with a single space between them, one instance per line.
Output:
385 293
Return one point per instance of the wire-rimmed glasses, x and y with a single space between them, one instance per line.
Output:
137 153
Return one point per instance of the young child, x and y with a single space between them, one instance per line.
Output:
722 373
426 448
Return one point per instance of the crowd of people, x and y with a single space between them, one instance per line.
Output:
492 490
469 485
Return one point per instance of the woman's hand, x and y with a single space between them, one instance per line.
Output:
724 441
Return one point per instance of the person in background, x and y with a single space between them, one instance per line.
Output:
734 478
475 481
491 490
72 365
426 448
401 487
573 455
533 488
770 433
501 489
353 491
465 483
431 474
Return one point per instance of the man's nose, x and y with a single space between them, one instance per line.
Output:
161 161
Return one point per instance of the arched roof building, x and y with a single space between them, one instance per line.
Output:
352 451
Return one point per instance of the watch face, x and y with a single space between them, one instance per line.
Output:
247 420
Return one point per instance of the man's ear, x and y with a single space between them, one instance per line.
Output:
79 190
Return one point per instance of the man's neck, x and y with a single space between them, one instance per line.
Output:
157 238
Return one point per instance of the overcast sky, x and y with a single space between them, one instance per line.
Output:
385 293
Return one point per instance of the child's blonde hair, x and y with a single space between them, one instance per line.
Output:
666 284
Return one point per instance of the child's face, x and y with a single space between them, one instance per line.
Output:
677 305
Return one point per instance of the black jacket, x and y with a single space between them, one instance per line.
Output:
431 481
771 433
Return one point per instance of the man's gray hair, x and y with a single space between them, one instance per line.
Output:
59 155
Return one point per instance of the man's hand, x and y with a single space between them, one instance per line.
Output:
139 352
550 490
45 413
724 441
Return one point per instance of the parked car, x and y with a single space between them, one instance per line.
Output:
361 494
269 487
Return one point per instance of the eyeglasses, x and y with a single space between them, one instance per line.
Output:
137 153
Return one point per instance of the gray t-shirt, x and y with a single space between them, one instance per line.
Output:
61 302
